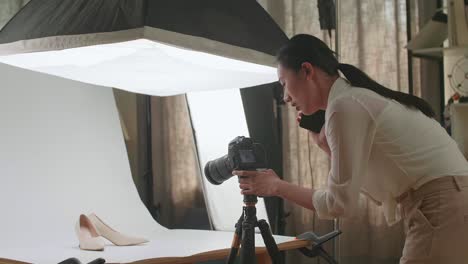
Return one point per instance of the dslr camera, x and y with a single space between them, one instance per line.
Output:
243 154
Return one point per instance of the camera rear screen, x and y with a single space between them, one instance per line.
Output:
247 156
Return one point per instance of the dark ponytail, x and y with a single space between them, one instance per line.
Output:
306 48
359 78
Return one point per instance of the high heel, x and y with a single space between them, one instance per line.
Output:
87 235
113 236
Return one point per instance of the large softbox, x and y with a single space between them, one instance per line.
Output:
157 47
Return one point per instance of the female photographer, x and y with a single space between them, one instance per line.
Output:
383 143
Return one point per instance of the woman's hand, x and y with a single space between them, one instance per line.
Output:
260 183
319 138
267 183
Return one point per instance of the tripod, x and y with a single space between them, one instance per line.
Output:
245 235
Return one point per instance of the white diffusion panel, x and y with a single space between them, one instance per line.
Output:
146 67
218 117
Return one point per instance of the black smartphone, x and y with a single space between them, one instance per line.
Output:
313 122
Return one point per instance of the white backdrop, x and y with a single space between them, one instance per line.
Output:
62 154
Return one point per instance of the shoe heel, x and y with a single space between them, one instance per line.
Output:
88 235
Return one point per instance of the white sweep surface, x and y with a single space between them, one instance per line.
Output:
146 67
62 154
218 117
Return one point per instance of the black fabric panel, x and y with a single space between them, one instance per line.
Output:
264 128
241 23
41 18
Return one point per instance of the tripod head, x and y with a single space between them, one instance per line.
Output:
250 200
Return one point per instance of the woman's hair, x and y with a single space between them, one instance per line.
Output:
306 48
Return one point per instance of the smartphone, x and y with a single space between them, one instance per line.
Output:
313 122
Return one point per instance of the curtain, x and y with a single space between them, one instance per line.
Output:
8 9
427 75
372 37
133 114
177 191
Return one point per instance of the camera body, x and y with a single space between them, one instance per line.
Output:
243 154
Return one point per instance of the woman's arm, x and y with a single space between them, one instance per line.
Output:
350 134
296 194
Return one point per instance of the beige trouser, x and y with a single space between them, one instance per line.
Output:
436 222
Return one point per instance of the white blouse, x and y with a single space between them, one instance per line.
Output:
381 148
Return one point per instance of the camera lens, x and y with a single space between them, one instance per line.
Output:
218 170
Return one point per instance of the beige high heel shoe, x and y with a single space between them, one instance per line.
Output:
87 235
113 236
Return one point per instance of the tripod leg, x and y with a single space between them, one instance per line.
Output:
269 240
236 241
247 251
